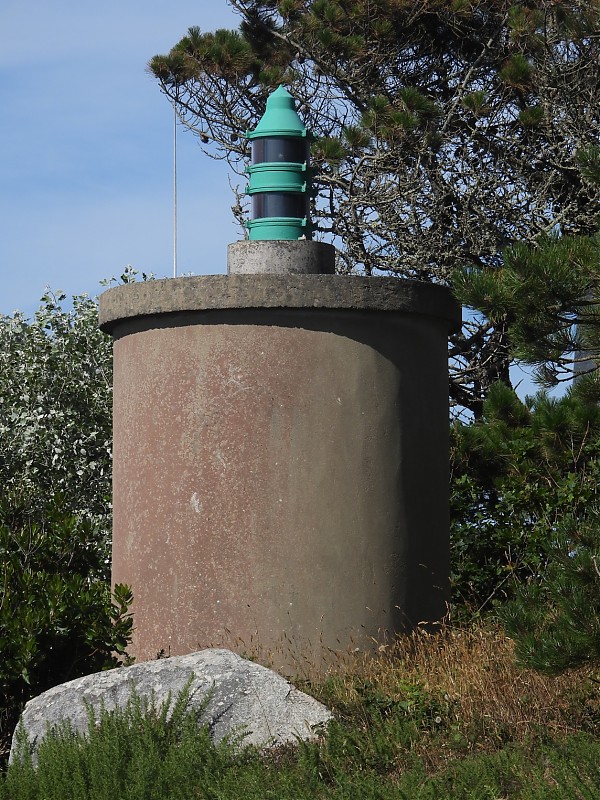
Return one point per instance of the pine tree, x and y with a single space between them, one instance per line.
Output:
545 296
517 473
556 621
445 131
538 471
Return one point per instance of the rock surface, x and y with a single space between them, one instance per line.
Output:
244 698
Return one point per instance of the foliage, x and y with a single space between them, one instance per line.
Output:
542 507
396 735
544 296
445 131
57 618
140 751
556 621
563 769
57 621
55 407
461 685
516 474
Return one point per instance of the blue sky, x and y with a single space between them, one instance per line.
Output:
86 149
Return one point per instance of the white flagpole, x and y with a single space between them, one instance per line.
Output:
174 191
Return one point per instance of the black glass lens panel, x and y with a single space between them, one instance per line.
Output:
279 148
278 204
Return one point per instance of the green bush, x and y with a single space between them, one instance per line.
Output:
555 621
57 621
57 618
140 752
56 407
516 474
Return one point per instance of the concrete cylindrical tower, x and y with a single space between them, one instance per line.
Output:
280 459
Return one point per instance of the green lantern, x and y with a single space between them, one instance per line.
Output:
279 175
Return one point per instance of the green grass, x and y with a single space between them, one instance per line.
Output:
413 722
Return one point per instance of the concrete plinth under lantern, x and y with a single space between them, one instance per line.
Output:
280 257
280 460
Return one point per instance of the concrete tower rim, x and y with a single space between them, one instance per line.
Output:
266 291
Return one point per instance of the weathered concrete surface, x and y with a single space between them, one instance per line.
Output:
221 292
280 461
244 698
280 257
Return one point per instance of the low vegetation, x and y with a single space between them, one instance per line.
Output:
446 715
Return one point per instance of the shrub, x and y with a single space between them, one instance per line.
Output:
516 474
55 407
57 618
556 621
141 752
57 621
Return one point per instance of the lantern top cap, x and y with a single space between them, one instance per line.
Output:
280 117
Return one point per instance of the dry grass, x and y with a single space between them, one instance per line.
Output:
474 676
476 669
462 684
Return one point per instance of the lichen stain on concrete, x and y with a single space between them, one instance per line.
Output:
218 455
195 503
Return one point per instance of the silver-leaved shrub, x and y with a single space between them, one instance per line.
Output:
58 618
